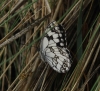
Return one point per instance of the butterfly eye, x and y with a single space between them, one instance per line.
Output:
57 28
53 48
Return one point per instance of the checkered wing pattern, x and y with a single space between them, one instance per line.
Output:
53 48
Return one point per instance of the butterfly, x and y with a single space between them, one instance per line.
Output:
53 48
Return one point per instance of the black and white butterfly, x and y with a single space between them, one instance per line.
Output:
53 48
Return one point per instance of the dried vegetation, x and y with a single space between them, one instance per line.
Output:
22 24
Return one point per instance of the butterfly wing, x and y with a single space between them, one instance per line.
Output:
57 34
53 48
58 59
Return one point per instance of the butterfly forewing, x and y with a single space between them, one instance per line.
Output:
53 48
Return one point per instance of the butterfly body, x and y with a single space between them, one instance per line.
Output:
53 48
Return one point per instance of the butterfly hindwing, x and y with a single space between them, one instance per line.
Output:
53 48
